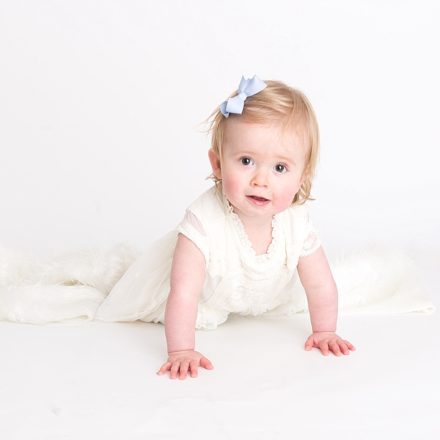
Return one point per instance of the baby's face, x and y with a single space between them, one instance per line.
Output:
261 169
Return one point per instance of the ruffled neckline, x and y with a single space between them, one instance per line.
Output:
244 238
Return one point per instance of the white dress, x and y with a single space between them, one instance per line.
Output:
236 281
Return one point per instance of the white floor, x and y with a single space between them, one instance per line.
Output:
97 381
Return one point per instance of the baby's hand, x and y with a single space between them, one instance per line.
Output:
183 361
329 341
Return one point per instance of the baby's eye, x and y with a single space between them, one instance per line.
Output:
280 168
246 160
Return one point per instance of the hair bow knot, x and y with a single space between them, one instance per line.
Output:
247 87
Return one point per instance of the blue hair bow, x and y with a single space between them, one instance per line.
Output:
247 87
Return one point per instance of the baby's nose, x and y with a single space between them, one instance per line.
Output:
260 177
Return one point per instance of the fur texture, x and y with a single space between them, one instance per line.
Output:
73 284
69 286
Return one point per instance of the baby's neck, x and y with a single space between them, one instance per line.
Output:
261 242
259 232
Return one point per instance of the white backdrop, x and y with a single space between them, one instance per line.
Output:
101 104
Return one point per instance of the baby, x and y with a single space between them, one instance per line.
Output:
264 152
245 245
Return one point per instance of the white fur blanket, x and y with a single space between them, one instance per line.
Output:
69 286
73 285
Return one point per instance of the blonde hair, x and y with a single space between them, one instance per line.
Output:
277 103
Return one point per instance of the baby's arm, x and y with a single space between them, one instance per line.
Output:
187 277
322 297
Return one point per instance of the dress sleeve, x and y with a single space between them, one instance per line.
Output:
193 229
311 241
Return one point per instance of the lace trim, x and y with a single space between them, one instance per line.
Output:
244 238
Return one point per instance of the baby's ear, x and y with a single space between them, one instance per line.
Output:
215 163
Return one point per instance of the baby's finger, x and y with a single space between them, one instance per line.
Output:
323 346
335 348
174 369
165 367
350 345
206 363
184 369
309 344
193 365
344 347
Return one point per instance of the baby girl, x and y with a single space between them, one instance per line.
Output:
243 244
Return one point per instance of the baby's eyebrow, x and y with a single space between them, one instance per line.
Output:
286 159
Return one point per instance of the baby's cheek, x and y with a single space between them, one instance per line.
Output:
285 197
231 185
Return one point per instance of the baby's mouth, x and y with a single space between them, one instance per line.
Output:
258 199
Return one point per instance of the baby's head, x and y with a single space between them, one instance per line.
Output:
278 120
